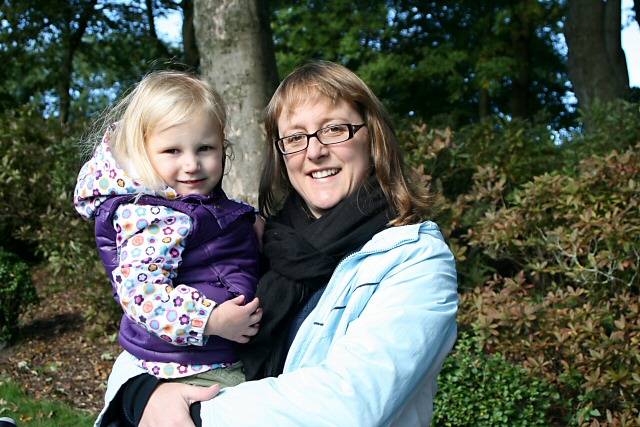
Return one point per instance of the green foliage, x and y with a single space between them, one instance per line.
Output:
586 346
25 136
16 293
611 126
37 37
416 55
547 239
475 389
473 171
40 159
37 413
580 231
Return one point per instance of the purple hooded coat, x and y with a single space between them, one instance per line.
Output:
220 256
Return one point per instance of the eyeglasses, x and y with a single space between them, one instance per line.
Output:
333 134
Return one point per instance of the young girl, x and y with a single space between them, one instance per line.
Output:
181 256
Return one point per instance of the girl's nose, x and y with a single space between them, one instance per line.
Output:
190 163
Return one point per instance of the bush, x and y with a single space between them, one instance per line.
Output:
477 170
40 160
610 126
582 231
472 172
16 293
518 149
24 166
589 350
547 240
475 389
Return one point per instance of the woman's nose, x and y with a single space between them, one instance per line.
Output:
316 149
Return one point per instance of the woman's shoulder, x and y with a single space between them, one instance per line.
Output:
396 249
422 233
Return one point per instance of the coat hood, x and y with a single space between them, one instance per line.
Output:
102 177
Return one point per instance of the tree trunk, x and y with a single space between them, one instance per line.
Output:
483 103
636 9
596 63
151 21
237 57
71 44
189 46
613 42
521 35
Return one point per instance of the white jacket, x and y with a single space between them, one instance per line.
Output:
368 354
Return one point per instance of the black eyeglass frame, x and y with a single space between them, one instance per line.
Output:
352 132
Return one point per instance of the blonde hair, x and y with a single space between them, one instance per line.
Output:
410 201
171 97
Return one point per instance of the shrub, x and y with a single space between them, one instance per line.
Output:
476 172
475 389
547 241
40 161
610 126
24 162
519 149
589 350
582 231
472 172
16 293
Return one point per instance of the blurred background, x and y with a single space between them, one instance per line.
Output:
523 116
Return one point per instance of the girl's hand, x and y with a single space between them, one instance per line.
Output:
234 321
169 404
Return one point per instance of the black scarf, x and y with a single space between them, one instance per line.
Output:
302 253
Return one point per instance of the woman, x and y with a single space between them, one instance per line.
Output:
347 239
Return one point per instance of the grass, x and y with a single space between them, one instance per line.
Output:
26 411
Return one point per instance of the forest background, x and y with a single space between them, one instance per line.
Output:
529 143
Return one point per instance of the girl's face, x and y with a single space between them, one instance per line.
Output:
188 156
324 175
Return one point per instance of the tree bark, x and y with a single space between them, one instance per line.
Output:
613 42
596 62
521 36
151 21
237 57
483 103
189 46
73 40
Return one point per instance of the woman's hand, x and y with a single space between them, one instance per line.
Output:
169 404
234 321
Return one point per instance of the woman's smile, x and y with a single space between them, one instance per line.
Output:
324 173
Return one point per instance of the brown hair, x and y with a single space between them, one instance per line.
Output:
410 202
